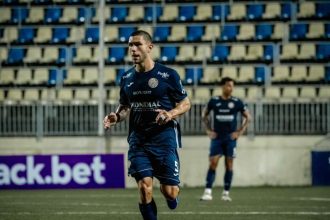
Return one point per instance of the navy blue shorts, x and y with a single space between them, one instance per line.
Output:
162 163
223 147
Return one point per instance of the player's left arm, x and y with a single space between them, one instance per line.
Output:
165 116
246 120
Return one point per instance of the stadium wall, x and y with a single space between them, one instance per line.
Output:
262 160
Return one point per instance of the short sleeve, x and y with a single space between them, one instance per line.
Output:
123 99
209 105
177 91
242 107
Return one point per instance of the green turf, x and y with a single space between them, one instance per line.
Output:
260 203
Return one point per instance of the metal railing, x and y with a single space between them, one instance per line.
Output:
50 119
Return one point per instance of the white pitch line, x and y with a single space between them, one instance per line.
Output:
313 199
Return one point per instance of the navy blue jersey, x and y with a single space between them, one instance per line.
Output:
225 114
160 88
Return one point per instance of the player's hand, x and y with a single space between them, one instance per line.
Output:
163 116
235 135
109 120
211 134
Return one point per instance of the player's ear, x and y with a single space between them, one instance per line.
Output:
150 46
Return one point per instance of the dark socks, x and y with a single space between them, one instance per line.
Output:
227 179
149 211
210 178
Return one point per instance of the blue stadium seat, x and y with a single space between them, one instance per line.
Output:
53 14
286 11
10 2
298 31
161 33
327 74
323 51
268 52
229 32
327 30
186 12
56 76
220 53
125 32
85 14
195 33
42 1
323 10
255 11
19 15
264 31
118 13
149 12
193 75
60 34
15 55
65 55
92 35
168 53
217 12
119 72
1 33
117 54
26 35
259 74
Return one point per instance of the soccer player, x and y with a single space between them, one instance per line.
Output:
152 95
223 134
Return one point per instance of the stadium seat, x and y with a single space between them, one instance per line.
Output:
323 10
289 51
110 33
76 34
323 51
186 12
237 52
202 94
168 53
109 75
260 74
217 91
74 76
70 15
116 54
161 33
193 75
81 95
40 76
14 95
229 32
286 11
15 55
19 15
195 33
203 12
316 30
136 13
44 35
281 74
203 52
26 35
3 54
254 52
60 34
124 33
237 12
212 32
36 15
106 15
186 53
85 15
113 95
211 75
24 76
90 76
53 14
239 92
254 93
316 74
7 76
245 74
5 15
272 11
327 74
308 92
280 29
64 94
268 52
298 31
218 14
306 10
220 53
178 33
290 92
255 11
152 12
229 71
246 32
50 55
10 34
33 55
31 95
307 51
92 35
264 31
324 92
298 73
272 92
84 55
170 13
118 13
56 76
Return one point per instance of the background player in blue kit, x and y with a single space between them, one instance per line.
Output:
152 95
223 134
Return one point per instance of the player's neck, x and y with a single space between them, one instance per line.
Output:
225 97
146 66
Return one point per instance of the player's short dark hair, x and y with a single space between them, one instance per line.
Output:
144 34
226 79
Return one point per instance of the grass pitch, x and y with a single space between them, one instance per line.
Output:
259 203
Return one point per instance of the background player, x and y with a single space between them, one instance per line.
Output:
152 95
223 135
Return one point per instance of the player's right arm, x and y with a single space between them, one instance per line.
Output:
112 118
206 120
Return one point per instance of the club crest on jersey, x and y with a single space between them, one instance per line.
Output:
231 105
153 83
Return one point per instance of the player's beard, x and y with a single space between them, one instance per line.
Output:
138 59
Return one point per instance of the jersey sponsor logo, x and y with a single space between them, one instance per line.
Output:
224 110
146 92
231 105
224 118
153 83
163 75
145 105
